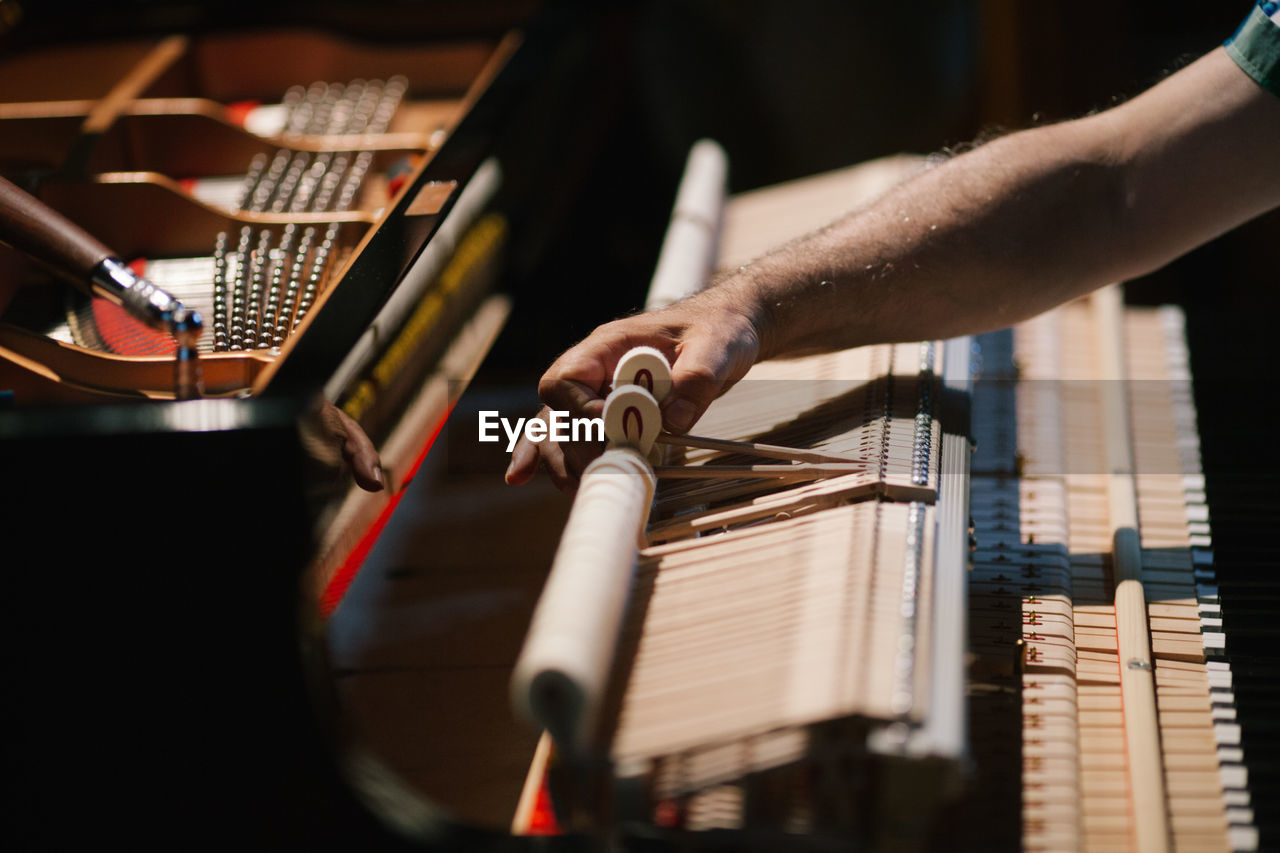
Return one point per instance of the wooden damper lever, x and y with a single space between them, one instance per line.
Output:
32 227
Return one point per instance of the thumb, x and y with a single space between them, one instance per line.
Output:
360 454
700 373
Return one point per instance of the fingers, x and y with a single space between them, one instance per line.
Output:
357 449
577 377
564 461
524 463
696 379
560 467
711 346
525 457
569 395
576 381
707 364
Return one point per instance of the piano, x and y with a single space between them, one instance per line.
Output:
167 698
737 712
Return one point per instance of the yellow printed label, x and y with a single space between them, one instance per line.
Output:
476 248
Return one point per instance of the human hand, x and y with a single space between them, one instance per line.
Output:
338 429
710 341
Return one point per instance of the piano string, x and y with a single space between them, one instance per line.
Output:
249 208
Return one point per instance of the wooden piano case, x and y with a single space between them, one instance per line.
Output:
170 562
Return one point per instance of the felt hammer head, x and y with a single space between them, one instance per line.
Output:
632 418
646 367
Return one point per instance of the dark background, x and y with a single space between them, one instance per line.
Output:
789 89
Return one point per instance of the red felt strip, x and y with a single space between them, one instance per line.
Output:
346 573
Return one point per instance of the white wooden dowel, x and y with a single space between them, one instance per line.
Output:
1137 667
796 471
692 243
753 448
562 673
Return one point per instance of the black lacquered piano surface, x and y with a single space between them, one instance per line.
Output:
1230 312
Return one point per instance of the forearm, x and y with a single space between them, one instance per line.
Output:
982 240
1026 222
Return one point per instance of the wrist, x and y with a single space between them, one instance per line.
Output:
740 298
